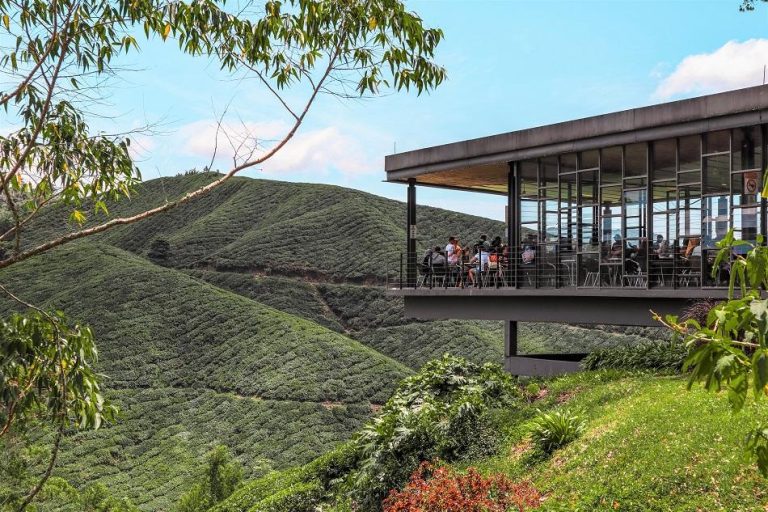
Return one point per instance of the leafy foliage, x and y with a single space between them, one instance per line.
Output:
45 372
553 430
660 356
301 488
222 476
437 413
441 489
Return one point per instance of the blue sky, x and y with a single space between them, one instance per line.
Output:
511 65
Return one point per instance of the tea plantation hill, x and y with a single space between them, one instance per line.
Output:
192 365
307 230
251 234
257 330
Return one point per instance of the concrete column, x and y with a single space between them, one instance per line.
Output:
410 234
513 220
510 338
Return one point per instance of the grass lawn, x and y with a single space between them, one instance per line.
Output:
648 445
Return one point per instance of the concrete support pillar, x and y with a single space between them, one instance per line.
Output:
410 234
513 220
510 338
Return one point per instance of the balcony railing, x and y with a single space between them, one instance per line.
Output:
555 266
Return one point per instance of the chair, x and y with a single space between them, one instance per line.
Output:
633 274
592 266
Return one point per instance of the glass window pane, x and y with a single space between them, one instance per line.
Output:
746 222
587 227
717 142
689 211
529 211
610 196
549 193
610 165
588 187
549 170
688 177
635 160
664 225
567 190
747 148
567 162
664 159
664 196
635 182
588 159
716 174
715 221
529 170
689 153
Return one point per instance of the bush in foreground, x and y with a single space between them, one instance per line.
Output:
660 356
554 430
438 413
441 489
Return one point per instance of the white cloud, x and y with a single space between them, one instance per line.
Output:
732 66
320 150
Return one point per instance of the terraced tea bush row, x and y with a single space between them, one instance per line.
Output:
283 228
159 327
154 451
293 296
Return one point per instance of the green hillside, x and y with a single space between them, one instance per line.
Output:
283 228
192 365
647 445
257 331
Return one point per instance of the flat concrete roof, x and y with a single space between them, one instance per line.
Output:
478 164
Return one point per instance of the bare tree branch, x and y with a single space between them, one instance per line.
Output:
184 199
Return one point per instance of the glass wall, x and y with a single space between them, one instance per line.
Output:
641 215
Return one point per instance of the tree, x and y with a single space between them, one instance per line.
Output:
222 476
59 56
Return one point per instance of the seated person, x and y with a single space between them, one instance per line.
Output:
617 247
496 244
528 255
693 243
483 244
438 258
480 261
662 247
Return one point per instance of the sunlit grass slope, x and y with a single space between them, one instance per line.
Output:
649 445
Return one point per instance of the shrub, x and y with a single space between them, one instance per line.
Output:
448 491
300 487
301 497
554 430
661 356
159 250
436 413
222 476
532 391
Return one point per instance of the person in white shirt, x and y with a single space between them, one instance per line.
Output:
450 250
480 259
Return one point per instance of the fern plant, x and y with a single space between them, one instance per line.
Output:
553 430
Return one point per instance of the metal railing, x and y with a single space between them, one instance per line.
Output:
558 266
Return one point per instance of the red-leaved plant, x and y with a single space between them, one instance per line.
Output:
441 489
